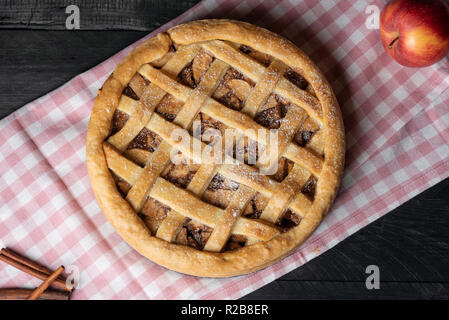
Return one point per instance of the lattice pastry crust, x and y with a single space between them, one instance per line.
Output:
215 219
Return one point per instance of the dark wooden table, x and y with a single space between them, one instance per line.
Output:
410 244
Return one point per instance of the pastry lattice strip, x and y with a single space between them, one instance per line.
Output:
193 100
241 173
255 71
160 157
183 202
238 120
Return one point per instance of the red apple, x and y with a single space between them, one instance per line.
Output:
415 32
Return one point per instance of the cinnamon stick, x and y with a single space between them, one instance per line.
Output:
44 285
26 261
59 283
22 294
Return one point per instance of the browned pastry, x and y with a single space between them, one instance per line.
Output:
215 219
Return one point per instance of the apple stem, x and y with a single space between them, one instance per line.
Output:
392 42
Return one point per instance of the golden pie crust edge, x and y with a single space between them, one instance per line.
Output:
185 259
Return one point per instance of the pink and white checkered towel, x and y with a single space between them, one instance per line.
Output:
397 128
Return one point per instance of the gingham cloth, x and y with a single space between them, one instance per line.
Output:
397 129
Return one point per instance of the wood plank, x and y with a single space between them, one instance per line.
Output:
34 62
143 15
409 244
284 290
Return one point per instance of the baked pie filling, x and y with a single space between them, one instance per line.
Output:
215 219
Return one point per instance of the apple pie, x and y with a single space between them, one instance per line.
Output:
172 101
